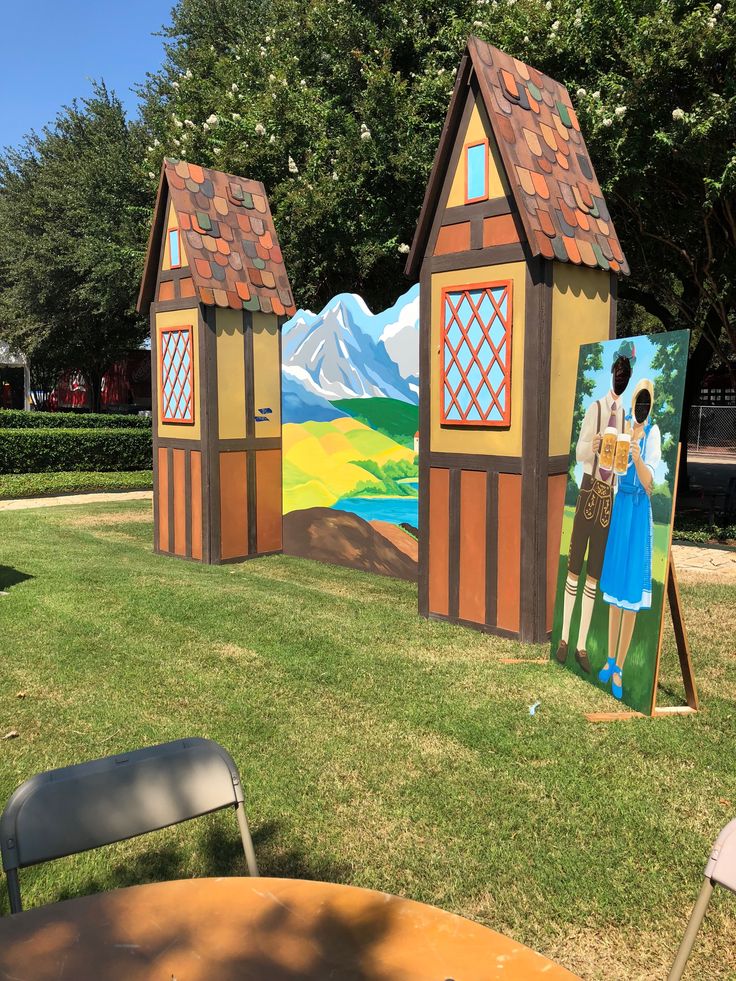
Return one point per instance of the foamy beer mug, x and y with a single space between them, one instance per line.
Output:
621 462
608 448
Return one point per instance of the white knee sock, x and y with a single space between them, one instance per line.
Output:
586 612
571 588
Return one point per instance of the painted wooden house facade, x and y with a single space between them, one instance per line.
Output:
217 291
518 262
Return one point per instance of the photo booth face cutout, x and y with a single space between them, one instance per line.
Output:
623 364
620 375
642 401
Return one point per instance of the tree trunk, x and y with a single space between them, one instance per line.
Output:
697 366
93 377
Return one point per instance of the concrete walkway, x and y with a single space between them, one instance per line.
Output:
95 498
716 562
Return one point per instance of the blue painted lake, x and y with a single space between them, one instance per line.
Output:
394 509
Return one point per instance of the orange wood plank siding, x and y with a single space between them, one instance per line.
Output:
180 504
453 238
195 464
439 541
233 506
555 505
499 230
472 604
268 500
166 290
163 499
509 551
186 287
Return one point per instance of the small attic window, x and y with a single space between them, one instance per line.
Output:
476 171
174 249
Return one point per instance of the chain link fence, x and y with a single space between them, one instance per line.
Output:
712 430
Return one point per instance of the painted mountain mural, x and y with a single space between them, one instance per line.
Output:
350 410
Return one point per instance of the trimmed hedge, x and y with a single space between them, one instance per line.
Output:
48 450
19 419
16 485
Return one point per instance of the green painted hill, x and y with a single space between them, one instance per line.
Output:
394 418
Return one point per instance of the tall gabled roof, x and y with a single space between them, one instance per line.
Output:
545 157
229 237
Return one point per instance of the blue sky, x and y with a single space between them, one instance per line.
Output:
52 51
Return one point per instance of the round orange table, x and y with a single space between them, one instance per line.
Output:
257 930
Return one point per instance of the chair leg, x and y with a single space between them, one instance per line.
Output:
14 891
250 854
693 925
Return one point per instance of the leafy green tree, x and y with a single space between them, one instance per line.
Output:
74 212
337 106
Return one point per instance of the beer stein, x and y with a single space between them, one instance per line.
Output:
621 460
608 448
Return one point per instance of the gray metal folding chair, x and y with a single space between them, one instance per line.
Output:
76 808
720 870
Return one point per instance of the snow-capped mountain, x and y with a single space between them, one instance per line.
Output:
346 351
400 337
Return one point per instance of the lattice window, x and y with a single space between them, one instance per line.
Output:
476 355
177 375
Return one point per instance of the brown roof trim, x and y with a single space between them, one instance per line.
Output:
439 168
150 265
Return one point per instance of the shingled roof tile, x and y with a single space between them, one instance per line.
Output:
221 240
506 85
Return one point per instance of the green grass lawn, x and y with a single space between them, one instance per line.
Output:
376 748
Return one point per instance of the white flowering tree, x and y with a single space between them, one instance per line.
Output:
337 106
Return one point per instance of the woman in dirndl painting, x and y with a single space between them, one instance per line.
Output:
626 579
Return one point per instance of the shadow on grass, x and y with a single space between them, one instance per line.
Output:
11 577
222 855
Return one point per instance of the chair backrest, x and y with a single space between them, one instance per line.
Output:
79 807
721 867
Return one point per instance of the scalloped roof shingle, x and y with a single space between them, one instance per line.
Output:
547 164
229 237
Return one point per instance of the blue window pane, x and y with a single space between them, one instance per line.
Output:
477 170
174 247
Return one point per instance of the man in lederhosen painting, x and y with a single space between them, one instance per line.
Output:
595 503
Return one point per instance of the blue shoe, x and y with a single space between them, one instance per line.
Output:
617 689
604 675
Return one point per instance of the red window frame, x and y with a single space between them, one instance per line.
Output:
174 231
501 396
187 420
469 146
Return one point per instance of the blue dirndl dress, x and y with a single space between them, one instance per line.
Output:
626 579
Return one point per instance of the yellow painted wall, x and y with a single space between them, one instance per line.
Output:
168 320
173 222
580 315
478 129
267 373
460 439
230 374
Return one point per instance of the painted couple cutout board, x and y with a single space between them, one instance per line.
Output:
619 508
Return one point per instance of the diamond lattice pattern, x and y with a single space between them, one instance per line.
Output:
176 375
476 356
